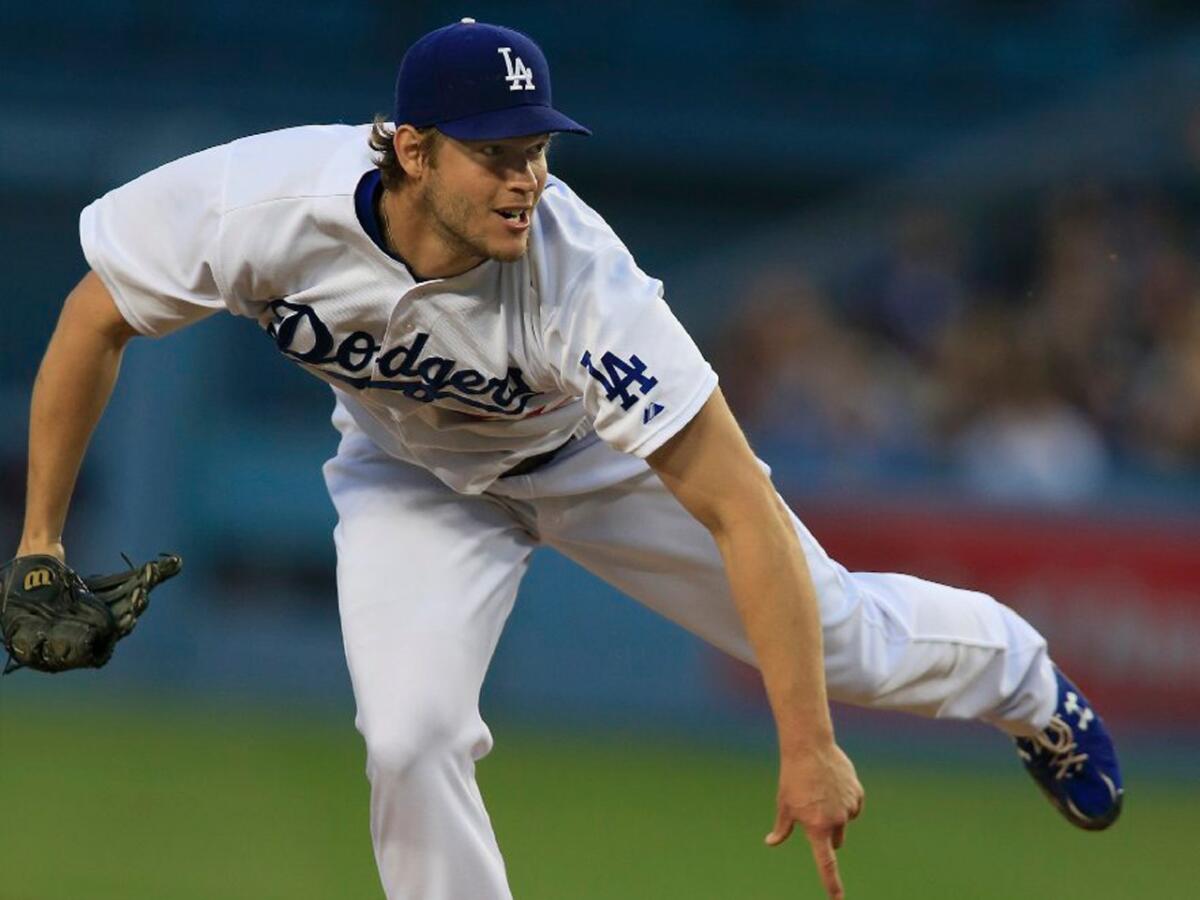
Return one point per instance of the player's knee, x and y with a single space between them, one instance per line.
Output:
398 750
403 745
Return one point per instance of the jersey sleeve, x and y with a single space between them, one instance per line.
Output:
616 344
154 242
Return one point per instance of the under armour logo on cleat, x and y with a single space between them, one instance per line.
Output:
1082 713
651 411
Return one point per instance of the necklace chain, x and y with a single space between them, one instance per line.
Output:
387 225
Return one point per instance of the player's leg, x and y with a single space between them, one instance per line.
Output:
426 579
890 641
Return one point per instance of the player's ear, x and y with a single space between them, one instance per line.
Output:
412 150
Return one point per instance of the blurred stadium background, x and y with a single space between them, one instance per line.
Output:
944 256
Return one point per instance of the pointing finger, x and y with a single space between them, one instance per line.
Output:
827 866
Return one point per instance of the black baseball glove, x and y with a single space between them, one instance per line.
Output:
53 620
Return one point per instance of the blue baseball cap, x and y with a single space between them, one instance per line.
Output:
476 81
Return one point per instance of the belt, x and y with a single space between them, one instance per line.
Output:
533 463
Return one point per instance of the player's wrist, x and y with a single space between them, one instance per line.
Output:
805 743
32 545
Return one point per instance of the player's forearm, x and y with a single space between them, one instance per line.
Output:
70 393
709 467
777 602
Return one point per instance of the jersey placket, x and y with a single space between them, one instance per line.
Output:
415 313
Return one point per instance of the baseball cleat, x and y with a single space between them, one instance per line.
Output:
1074 761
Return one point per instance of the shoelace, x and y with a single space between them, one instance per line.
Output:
1059 740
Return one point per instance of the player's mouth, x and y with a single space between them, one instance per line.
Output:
516 218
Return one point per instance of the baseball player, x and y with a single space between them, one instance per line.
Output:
505 376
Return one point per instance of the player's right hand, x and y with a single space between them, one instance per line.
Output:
820 792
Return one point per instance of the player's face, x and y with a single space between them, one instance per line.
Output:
480 195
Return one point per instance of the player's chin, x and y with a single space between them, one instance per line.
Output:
510 248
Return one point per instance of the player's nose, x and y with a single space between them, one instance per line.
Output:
523 178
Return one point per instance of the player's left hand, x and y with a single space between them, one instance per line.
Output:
52 620
820 792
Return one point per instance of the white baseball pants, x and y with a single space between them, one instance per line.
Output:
426 580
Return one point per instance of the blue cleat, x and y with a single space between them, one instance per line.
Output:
1074 761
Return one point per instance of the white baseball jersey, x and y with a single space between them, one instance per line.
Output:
464 376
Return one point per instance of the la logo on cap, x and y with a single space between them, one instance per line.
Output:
451 78
519 77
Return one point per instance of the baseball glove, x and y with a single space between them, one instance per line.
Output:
53 620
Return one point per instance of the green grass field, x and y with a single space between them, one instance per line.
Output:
196 805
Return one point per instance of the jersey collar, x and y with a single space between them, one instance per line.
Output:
367 197
366 206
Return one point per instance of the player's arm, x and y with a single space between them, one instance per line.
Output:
711 469
70 392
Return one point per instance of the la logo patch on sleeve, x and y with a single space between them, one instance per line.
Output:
619 377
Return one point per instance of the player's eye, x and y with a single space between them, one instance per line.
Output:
492 150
